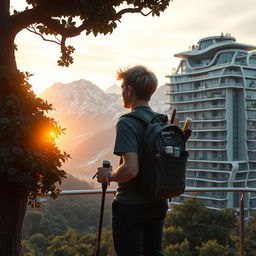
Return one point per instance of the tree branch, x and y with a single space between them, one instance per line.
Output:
146 14
127 10
54 25
63 45
36 15
24 19
33 30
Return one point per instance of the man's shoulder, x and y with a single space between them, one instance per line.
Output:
125 123
125 120
146 113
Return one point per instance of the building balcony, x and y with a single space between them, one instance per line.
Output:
251 179
202 160
212 204
253 119
210 170
209 119
210 87
250 88
251 105
252 175
251 183
194 100
251 108
201 89
251 139
198 126
206 178
240 180
221 107
231 84
250 97
208 139
208 148
210 130
216 68
233 73
204 76
213 196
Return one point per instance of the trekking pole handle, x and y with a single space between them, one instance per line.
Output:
105 164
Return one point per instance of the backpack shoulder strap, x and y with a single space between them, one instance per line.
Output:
138 116
146 122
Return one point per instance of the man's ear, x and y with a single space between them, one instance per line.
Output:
130 90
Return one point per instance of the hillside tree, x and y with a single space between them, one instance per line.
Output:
198 224
30 162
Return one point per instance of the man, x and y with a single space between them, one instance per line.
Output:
137 221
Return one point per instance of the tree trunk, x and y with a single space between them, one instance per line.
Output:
7 33
7 52
13 204
13 198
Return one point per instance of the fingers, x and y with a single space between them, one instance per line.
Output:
102 175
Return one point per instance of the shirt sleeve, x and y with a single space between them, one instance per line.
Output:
126 140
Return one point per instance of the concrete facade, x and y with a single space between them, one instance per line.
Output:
215 85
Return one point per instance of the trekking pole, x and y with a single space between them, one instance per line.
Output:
173 116
106 164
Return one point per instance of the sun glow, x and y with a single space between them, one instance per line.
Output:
40 83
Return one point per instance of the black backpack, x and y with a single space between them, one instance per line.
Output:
162 158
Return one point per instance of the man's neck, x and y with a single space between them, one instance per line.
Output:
140 103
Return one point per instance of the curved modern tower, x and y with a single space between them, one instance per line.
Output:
215 85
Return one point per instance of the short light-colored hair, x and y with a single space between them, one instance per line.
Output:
141 79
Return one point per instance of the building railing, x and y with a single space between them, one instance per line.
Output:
189 190
185 100
210 87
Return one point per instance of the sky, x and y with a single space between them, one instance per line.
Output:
149 41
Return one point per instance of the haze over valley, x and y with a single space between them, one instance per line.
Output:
90 115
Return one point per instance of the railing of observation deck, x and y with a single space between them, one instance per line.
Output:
189 190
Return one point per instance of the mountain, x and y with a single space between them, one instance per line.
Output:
115 89
90 115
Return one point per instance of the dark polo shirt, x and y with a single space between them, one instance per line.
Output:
129 136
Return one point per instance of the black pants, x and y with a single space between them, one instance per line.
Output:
138 229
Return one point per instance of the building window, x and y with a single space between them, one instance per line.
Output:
240 58
214 165
183 67
252 60
214 134
225 57
214 113
206 44
214 154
